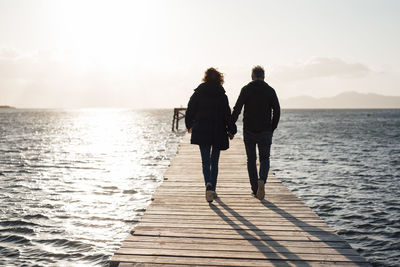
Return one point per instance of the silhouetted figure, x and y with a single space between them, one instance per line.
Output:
260 119
208 119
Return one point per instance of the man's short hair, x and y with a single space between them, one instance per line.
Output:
258 72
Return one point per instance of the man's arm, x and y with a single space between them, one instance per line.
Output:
276 114
239 105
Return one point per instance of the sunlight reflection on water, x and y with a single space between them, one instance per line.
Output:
81 178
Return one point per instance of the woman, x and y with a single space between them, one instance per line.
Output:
208 119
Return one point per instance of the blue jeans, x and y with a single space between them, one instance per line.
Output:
209 159
263 140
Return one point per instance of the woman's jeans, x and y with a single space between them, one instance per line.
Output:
263 140
210 158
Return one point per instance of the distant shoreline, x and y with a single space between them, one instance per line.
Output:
171 108
7 107
345 100
290 108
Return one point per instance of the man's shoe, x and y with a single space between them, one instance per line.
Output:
209 193
215 195
261 190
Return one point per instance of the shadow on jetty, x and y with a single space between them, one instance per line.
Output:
265 243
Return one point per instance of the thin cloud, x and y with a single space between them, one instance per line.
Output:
8 53
321 67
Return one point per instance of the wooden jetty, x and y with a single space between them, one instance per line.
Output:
181 228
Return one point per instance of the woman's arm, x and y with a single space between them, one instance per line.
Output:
230 124
191 112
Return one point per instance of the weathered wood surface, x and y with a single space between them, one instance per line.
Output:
181 228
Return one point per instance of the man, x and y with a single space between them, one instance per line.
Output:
260 119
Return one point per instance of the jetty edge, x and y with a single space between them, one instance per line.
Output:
180 228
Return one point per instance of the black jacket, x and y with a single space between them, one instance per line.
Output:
209 115
260 104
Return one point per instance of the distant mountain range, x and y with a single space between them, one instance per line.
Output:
344 100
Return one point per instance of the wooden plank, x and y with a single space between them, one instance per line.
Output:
181 228
232 242
232 221
242 214
128 260
271 255
239 211
237 234
235 226
243 248
232 202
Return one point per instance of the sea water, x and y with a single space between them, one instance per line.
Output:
73 183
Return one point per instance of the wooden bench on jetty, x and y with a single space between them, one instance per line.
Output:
181 228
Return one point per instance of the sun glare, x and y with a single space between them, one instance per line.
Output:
107 34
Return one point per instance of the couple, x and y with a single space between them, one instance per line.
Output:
209 120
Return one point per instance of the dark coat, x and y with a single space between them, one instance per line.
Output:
261 107
209 115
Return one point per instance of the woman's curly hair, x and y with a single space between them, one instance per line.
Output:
214 76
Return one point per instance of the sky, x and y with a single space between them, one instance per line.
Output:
152 54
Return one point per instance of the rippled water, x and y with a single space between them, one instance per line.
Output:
345 165
74 182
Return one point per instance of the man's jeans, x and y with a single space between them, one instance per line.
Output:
210 158
263 140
